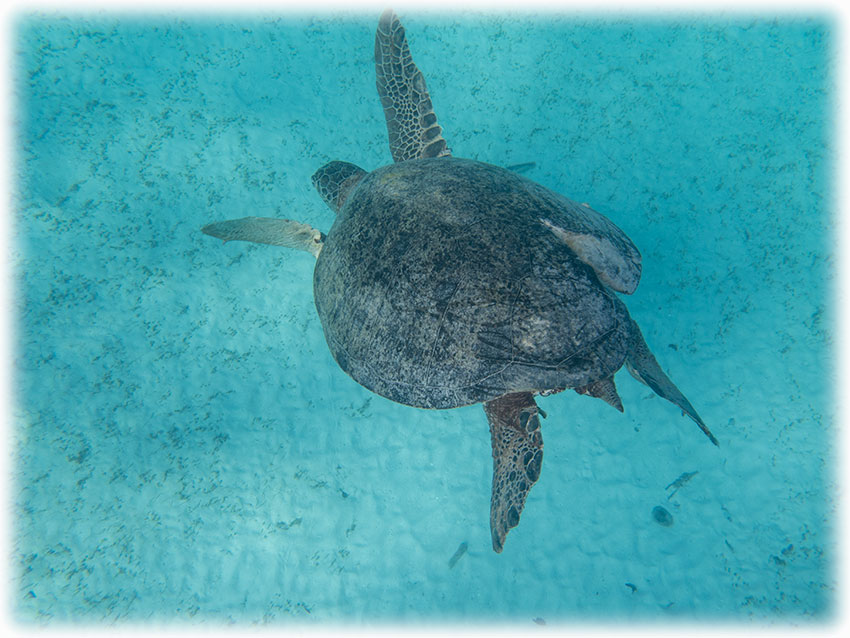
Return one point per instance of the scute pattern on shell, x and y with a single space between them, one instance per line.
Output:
438 286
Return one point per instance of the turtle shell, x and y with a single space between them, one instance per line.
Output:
446 282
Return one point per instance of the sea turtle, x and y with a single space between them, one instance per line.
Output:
445 282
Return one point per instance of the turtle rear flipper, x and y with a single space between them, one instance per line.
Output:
517 455
643 366
411 122
267 230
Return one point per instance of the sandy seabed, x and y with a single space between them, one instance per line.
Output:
187 449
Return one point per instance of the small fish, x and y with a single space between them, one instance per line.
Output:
461 550
539 621
285 526
632 587
684 477
662 516
521 168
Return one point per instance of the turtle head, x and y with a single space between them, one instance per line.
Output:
335 180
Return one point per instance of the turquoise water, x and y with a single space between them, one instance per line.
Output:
187 449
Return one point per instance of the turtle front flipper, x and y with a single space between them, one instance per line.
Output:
643 366
411 122
267 230
517 455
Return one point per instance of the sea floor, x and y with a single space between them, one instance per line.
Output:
185 447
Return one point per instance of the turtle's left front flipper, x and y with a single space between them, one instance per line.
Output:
267 230
643 366
517 455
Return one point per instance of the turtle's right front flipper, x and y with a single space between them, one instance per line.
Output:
267 230
517 455
411 122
